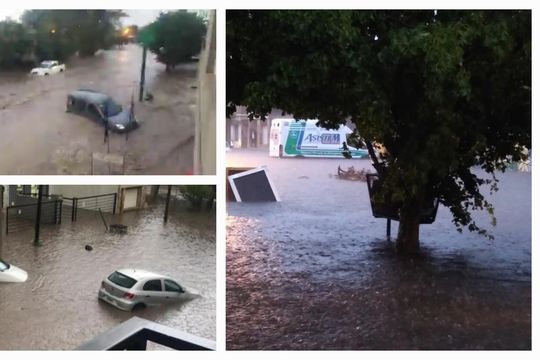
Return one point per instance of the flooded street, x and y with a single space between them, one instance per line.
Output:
41 138
57 307
315 271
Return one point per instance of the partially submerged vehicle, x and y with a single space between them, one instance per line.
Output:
11 273
102 109
131 289
303 138
48 67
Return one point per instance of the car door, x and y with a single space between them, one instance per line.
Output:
173 291
152 292
95 114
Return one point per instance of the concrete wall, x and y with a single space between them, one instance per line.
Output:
205 128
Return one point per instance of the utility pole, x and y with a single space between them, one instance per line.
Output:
167 203
143 69
38 217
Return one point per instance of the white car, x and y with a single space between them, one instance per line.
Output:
11 273
48 67
132 289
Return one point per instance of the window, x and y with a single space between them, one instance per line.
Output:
112 108
152 285
79 105
172 286
122 280
3 266
94 112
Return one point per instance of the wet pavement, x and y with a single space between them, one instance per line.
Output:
39 137
315 271
57 307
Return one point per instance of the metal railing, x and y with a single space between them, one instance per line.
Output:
135 333
105 202
23 217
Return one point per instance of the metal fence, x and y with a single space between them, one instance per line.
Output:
23 217
106 203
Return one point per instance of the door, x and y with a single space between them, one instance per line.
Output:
95 114
173 291
153 293
131 196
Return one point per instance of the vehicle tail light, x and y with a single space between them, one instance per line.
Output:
128 296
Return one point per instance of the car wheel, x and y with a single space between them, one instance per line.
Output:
61 70
46 74
138 307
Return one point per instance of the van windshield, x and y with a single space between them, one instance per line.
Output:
112 108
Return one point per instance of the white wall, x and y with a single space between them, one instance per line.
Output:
82 190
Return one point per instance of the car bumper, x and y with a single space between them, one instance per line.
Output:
119 303
126 129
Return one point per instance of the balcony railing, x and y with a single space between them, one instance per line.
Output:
135 333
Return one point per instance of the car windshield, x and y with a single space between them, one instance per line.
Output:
46 64
121 280
112 108
3 266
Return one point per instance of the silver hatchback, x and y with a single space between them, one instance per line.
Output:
129 289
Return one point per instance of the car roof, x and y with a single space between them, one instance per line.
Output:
90 96
139 274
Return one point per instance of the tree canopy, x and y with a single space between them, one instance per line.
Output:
174 37
57 34
60 33
15 43
442 91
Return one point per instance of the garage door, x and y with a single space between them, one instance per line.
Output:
130 198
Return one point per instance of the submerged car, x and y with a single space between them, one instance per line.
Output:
103 109
131 289
11 273
48 67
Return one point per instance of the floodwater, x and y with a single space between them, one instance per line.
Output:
41 138
57 307
315 271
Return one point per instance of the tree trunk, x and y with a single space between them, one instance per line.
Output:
408 241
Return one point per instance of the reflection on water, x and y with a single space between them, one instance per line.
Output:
57 308
315 272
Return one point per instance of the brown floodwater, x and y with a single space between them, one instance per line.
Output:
315 271
41 138
57 307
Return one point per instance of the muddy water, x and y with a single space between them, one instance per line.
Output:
57 308
316 272
41 138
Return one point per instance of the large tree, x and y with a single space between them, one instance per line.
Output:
16 43
442 91
61 33
174 37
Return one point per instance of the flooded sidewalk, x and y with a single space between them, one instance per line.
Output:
57 307
315 271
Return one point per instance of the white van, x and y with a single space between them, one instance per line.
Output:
290 137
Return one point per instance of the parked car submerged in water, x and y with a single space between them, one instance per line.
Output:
131 289
11 273
48 67
103 109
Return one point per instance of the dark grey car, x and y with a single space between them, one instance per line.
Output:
102 109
